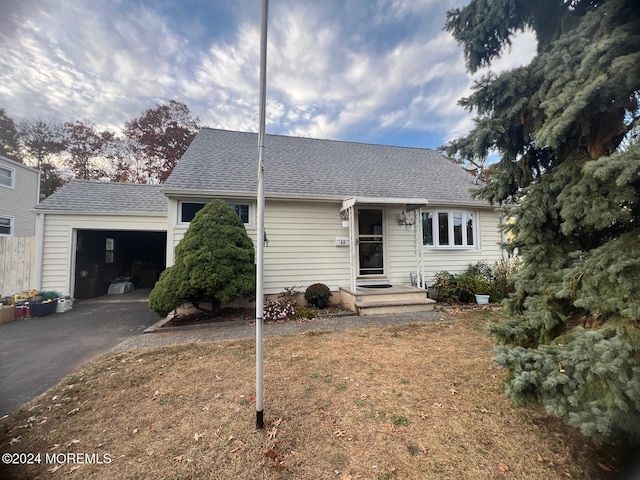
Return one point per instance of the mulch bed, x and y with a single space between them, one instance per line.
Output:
239 315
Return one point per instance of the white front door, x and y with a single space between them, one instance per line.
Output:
371 258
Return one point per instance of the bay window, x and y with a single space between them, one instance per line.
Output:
449 229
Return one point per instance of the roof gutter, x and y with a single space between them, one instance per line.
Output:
97 212
305 197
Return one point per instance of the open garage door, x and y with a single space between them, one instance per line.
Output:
104 255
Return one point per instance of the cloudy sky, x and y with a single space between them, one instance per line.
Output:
375 71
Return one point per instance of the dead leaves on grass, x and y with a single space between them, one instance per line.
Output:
55 468
273 431
276 459
330 419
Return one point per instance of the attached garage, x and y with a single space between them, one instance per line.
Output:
90 233
105 255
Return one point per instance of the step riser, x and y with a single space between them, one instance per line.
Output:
393 297
391 309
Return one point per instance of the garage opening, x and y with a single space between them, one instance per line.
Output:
105 255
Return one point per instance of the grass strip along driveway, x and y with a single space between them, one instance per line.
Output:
407 401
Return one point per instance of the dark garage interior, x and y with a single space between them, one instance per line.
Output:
105 255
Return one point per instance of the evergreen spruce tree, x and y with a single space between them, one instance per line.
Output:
214 263
566 128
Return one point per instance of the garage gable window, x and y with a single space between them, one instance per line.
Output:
188 211
109 250
6 226
449 229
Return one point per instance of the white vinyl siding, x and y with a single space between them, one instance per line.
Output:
302 246
402 248
57 246
17 202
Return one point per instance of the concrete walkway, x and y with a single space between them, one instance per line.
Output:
237 330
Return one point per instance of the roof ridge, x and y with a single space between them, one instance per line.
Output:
324 139
99 182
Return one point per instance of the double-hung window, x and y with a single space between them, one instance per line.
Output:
449 229
109 250
7 177
6 226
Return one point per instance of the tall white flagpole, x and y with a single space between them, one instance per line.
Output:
260 226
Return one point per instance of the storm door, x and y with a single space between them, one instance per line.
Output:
370 242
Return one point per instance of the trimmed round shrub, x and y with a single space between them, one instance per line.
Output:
317 291
214 263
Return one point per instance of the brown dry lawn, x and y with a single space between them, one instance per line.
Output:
406 402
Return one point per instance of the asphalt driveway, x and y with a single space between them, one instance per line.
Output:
36 353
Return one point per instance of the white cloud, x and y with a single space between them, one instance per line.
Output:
335 69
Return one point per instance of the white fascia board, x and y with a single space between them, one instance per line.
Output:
350 202
458 204
98 213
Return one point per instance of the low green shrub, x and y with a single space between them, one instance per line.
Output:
304 312
481 278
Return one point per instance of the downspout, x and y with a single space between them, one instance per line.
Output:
352 248
418 244
172 220
39 250
423 282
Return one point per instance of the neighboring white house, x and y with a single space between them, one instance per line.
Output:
410 211
19 192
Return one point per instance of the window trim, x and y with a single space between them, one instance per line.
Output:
435 227
11 226
250 224
12 172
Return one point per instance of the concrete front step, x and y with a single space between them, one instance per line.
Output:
399 297
395 306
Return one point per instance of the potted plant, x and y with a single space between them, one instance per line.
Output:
317 294
344 217
481 289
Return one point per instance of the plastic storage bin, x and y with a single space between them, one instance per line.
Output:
42 309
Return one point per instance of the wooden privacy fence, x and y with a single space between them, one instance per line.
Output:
17 264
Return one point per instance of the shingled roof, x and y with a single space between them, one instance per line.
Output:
221 161
84 196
